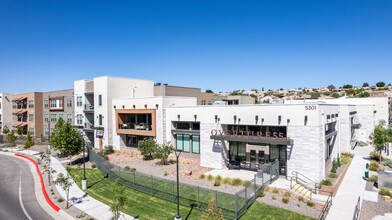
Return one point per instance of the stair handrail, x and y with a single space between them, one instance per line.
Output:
327 206
305 179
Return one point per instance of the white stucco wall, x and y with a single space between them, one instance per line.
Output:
6 110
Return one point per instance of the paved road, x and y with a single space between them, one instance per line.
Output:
17 196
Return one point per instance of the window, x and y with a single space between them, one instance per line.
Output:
53 117
56 103
46 103
69 102
100 100
203 102
0 117
196 144
183 142
31 117
31 104
47 131
31 131
46 117
100 120
79 120
69 118
0 105
61 116
79 101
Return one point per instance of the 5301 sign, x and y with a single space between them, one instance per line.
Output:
311 107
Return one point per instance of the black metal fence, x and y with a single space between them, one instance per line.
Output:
233 206
357 209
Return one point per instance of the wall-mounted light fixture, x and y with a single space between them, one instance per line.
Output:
288 121
279 119
178 117
134 106
145 106
114 107
235 119
216 118
256 118
306 120
262 120
239 119
123 106
156 105
195 116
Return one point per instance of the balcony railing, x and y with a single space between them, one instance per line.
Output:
136 127
88 125
19 106
88 107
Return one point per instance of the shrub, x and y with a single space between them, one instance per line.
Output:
285 200
346 159
165 173
275 190
334 166
300 198
388 163
133 169
219 177
347 154
94 165
338 163
373 178
266 189
273 198
374 156
60 200
202 176
210 177
148 149
286 194
108 150
78 165
236 182
217 182
226 180
261 194
385 192
310 203
373 166
326 182
333 175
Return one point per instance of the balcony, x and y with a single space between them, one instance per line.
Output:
88 109
88 127
136 122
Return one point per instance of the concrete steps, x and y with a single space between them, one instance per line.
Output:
298 188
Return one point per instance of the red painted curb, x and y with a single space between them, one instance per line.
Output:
54 206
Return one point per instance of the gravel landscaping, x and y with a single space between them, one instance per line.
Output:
371 209
190 169
275 199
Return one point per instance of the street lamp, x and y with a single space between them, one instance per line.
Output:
84 180
178 216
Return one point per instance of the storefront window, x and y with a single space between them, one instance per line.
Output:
196 144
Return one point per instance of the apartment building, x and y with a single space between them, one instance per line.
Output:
27 111
235 99
56 105
94 110
169 90
5 110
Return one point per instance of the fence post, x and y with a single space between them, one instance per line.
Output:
236 207
174 198
134 173
152 185
216 198
198 197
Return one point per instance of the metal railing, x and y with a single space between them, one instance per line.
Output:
304 181
357 209
327 206
233 205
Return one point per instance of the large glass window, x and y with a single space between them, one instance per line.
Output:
69 102
183 142
100 100
31 117
46 103
79 101
31 104
179 142
196 144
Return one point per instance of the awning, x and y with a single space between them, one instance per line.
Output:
20 112
19 99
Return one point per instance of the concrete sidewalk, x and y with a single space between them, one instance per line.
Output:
352 187
83 201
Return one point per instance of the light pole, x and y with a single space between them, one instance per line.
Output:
84 180
178 216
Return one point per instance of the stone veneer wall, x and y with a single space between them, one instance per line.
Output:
345 134
367 126
210 150
306 156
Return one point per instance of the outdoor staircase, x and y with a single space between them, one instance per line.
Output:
302 190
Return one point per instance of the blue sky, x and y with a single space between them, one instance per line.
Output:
218 45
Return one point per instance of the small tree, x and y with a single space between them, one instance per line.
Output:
119 201
148 148
213 212
46 162
64 182
11 138
331 87
347 86
365 84
163 151
209 91
6 130
29 141
335 95
379 138
19 131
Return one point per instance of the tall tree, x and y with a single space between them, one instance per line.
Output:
365 84
64 182
66 139
347 86
380 84
379 137
19 130
119 200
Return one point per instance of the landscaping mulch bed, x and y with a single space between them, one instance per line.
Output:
275 199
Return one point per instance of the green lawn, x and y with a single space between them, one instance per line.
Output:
148 207
261 211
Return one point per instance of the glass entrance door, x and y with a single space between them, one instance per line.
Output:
279 153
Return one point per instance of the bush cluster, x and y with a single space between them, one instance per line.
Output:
385 192
373 178
373 166
326 182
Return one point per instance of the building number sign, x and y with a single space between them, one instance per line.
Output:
310 107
